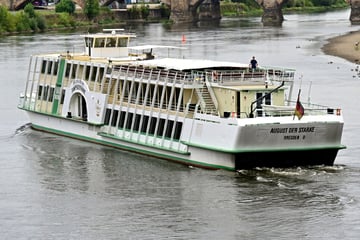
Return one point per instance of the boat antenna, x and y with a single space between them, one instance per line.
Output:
301 79
309 93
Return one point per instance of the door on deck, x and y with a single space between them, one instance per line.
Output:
262 101
78 107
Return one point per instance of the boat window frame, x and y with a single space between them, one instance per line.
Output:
89 42
122 42
110 42
99 42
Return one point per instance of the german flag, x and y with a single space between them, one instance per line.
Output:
299 109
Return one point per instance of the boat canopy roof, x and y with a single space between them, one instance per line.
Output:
189 64
147 47
110 33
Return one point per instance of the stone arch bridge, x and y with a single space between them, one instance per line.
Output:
194 10
187 10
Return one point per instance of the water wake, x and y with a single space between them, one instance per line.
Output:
22 129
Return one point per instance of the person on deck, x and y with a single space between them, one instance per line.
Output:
253 64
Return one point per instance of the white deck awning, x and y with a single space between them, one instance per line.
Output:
189 64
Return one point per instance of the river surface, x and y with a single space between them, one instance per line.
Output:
53 187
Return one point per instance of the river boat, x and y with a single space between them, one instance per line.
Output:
202 113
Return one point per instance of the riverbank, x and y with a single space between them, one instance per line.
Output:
345 46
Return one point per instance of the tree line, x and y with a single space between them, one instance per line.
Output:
66 15
29 20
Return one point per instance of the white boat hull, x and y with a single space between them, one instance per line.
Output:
232 147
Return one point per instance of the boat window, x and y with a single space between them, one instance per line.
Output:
51 94
137 122
129 121
160 127
93 73
99 42
88 42
268 100
107 116
74 70
110 42
152 125
62 96
101 73
87 72
47 67
121 120
126 90
43 66
122 42
178 128
45 91
40 92
67 69
144 123
114 117
56 66
169 128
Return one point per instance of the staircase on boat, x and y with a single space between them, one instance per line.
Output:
207 98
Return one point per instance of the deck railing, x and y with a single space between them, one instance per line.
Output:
221 77
289 110
153 74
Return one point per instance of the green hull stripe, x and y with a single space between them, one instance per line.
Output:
133 149
233 151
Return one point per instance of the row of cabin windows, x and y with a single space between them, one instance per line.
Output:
49 67
46 93
108 42
95 73
134 123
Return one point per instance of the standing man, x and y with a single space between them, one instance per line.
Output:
253 64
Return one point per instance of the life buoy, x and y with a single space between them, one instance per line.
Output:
233 114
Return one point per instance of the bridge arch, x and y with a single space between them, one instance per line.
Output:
272 11
184 10
187 10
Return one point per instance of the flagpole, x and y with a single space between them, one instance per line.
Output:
309 93
298 99
299 109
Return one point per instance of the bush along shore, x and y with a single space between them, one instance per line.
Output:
31 20
65 15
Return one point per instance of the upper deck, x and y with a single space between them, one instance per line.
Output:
112 43
222 73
